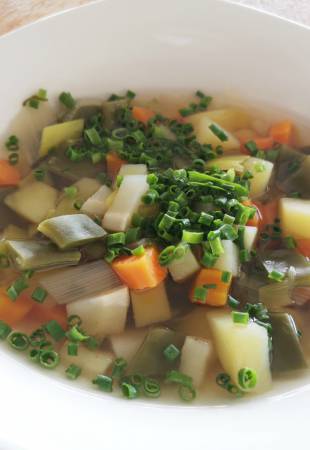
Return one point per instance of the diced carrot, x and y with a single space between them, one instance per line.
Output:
216 289
256 220
14 311
140 272
142 114
303 246
282 132
9 175
114 163
44 314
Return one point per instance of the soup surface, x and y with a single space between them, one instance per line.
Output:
147 248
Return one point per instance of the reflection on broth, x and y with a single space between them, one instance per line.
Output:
156 247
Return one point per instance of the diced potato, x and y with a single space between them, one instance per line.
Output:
97 204
231 119
33 201
262 172
295 217
229 260
54 135
150 306
87 187
104 313
182 268
250 234
125 203
193 324
239 346
126 345
229 162
196 357
133 169
205 135
92 362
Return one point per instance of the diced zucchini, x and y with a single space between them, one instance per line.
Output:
62 167
262 171
295 217
293 171
126 201
71 230
150 306
287 353
193 323
126 345
239 346
231 119
250 234
39 255
104 313
183 268
196 358
229 162
205 135
133 169
54 135
150 359
92 362
229 261
97 204
33 201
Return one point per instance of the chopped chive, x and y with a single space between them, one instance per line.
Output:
19 341
49 359
39 294
174 376
228 219
276 276
208 260
138 251
34 100
72 348
34 355
74 320
12 143
244 255
39 174
218 132
129 391
136 380
226 276
233 303
167 255
16 288
240 317
205 218
91 343
73 372
290 242
70 191
76 335
5 330
247 378
67 100
251 147
216 246
151 387
224 381
200 294
192 237
13 159
37 337
116 239
171 352
93 136
55 330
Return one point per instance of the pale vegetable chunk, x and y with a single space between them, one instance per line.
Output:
240 346
97 204
203 130
92 362
250 234
196 356
150 306
126 345
125 203
182 268
54 135
262 171
87 187
103 313
229 162
295 217
231 119
193 324
133 169
33 201
229 261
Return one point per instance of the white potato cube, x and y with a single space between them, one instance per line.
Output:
295 217
104 313
250 234
126 345
150 306
196 356
97 204
133 169
92 362
262 172
229 260
239 346
182 268
125 203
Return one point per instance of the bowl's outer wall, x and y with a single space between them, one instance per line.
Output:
142 45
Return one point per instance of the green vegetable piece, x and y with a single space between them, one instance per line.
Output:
54 135
71 230
81 109
150 358
38 255
281 261
109 109
287 351
293 171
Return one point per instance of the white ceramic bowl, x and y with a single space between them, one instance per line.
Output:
166 45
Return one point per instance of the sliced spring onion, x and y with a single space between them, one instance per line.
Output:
73 320
174 376
138 251
19 341
129 391
17 287
151 387
5 330
49 359
39 295
93 136
247 378
226 276
73 348
200 294
192 237
171 352
76 335
67 100
116 239
55 330
233 303
34 355
73 372
187 393
276 276
104 383
37 337
240 317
